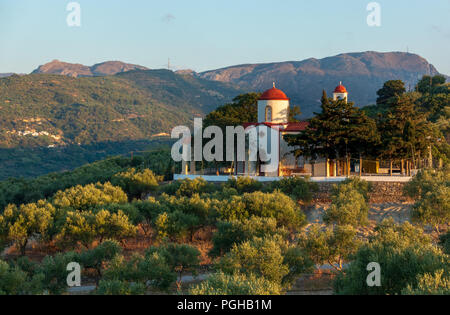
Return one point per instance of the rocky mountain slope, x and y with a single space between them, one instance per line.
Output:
362 73
79 70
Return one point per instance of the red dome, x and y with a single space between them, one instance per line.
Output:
340 89
274 94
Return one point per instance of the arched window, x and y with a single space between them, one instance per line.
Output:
268 113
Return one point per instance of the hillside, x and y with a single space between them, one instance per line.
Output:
79 70
42 110
101 108
362 73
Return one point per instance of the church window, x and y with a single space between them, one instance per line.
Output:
268 114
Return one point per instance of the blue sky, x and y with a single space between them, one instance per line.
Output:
209 34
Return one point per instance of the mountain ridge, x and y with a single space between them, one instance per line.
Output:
363 73
303 81
80 70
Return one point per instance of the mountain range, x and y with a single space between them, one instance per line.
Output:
79 70
66 103
303 81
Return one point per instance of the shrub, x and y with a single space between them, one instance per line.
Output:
85 197
179 257
427 181
354 183
333 246
19 224
150 270
296 187
15 281
430 284
117 287
236 284
235 232
433 208
444 241
86 226
403 252
348 207
244 184
188 187
135 183
269 205
269 257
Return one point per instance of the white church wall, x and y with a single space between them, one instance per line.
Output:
280 109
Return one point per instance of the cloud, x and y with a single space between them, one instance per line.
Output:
168 18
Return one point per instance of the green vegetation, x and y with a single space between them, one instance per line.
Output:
130 106
296 187
236 284
405 127
87 119
341 131
136 183
19 191
333 246
431 188
91 216
270 205
37 161
235 232
272 258
338 242
404 253
430 284
349 204
133 232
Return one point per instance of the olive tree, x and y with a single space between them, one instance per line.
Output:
332 246
236 231
236 284
135 183
403 252
19 224
86 226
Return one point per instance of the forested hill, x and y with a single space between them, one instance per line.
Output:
55 110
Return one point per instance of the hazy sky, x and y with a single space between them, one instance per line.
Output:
209 34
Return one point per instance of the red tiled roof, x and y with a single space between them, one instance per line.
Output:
289 127
296 126
274 94
340 89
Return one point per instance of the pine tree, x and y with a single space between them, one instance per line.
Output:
341 131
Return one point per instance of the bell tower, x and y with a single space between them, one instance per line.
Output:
273 107
340 93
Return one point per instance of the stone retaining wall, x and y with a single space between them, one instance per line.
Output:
381 192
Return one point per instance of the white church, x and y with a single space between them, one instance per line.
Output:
273 112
